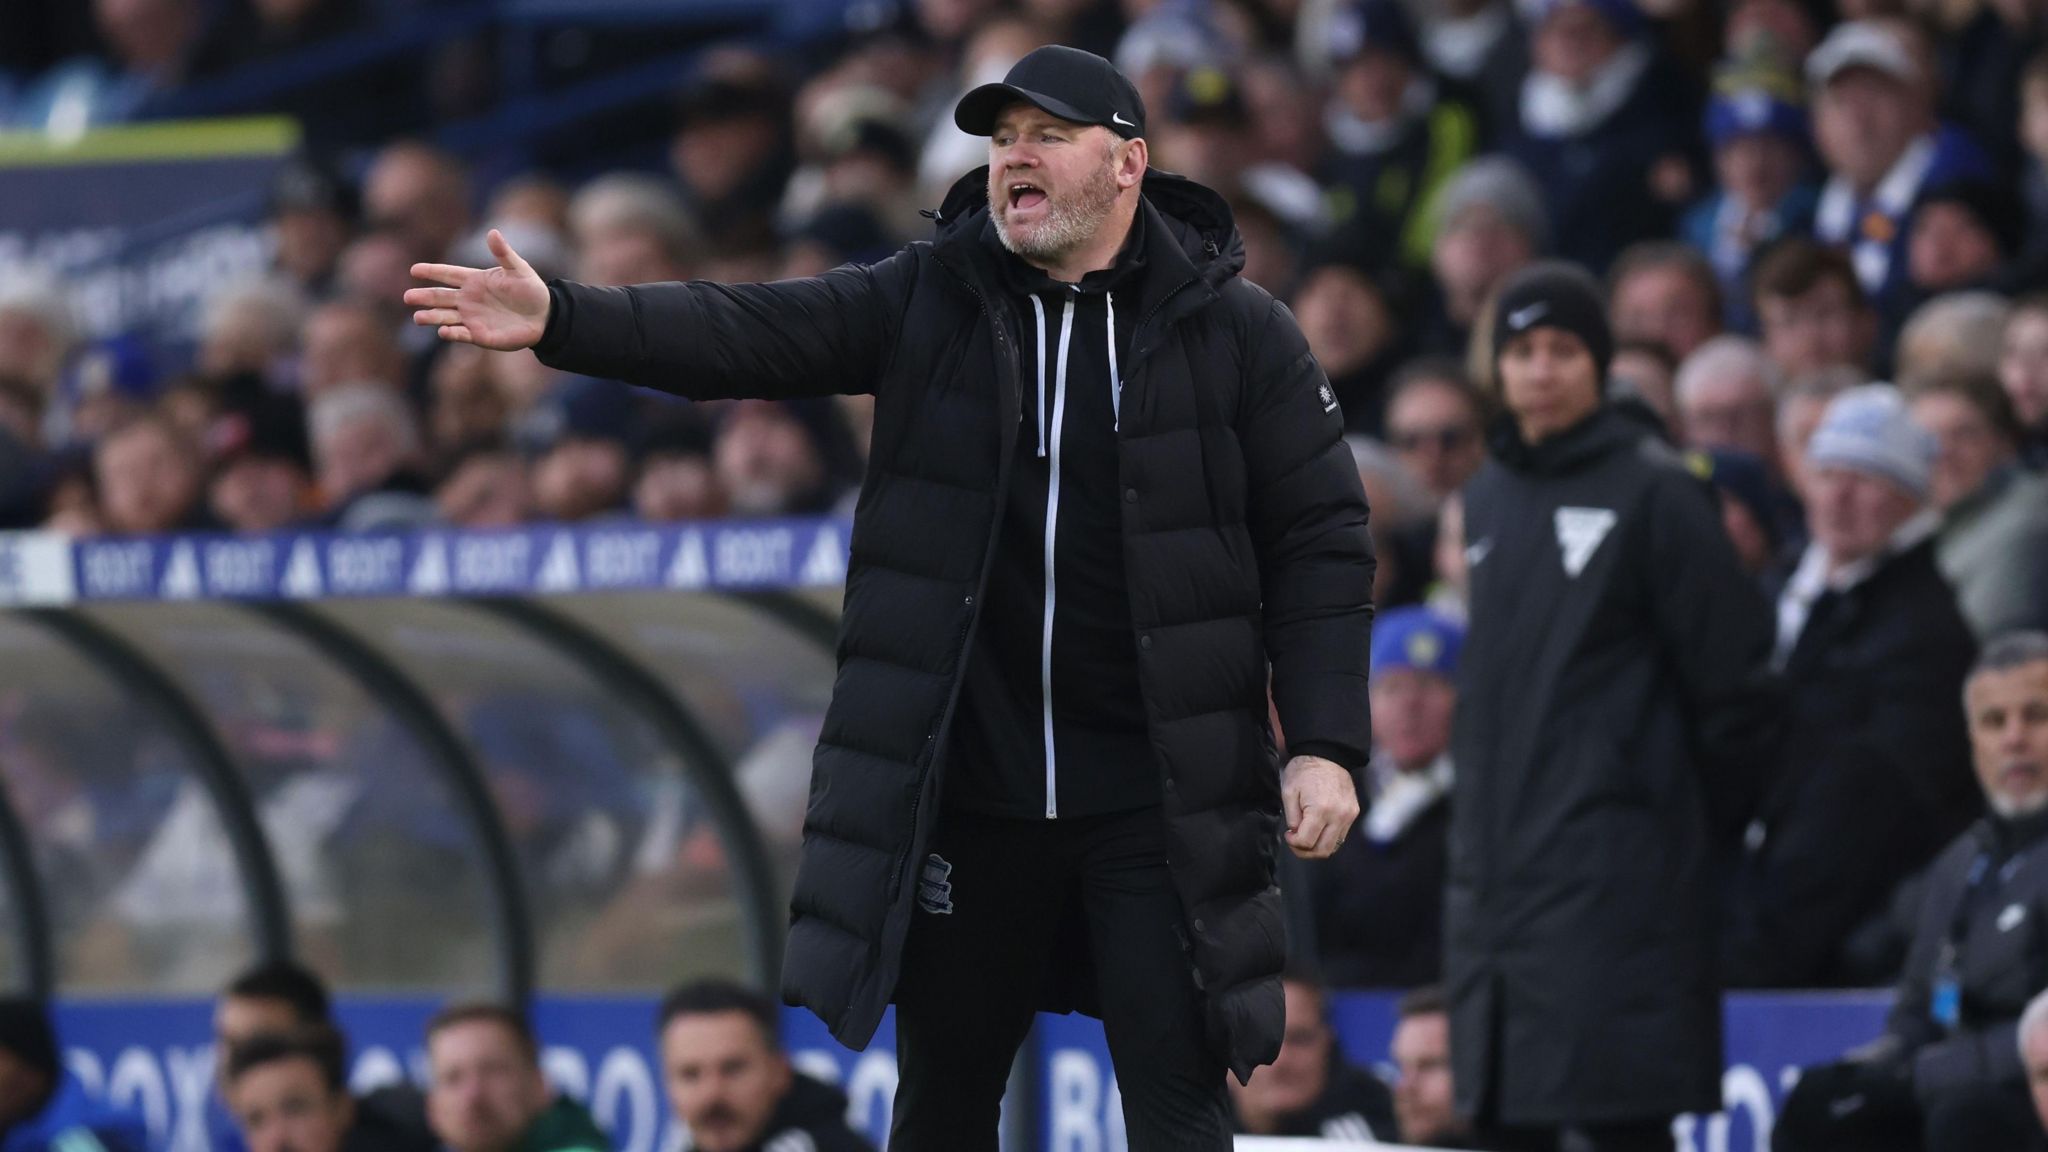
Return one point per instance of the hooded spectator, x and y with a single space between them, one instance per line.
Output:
1993 541
1872 650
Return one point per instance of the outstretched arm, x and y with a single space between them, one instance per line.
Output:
811 337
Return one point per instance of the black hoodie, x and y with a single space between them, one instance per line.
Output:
811 1118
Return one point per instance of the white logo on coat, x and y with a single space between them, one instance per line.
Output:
1579 533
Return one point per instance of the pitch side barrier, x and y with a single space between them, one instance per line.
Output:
300 744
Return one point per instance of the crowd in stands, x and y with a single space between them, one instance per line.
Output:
1822 231
1785 200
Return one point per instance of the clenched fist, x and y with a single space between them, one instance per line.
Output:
1321 806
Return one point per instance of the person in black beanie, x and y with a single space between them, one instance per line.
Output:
41 1108
1615 711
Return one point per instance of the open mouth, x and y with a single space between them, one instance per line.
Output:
1025 195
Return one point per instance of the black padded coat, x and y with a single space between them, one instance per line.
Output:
1246 555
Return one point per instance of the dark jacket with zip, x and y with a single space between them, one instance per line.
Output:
1987 897
1243 536
1615 720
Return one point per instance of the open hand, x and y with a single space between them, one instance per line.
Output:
1321 806
503 308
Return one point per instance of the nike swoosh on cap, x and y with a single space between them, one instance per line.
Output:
1118 118
1523 317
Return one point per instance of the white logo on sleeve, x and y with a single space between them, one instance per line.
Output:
1475 554
1579 533
1329 397
2011 917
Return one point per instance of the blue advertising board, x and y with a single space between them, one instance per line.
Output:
625 555
157 1057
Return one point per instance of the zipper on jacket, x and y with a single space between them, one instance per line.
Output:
1038 310
1052 517
1116 383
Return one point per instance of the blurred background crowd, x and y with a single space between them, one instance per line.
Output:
1786 199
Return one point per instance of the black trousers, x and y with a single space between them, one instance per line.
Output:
980 955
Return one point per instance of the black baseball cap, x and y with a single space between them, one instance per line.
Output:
1067 82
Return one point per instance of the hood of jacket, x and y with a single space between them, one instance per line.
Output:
1613 427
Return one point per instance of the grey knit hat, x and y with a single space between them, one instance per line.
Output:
1869 429
1504 186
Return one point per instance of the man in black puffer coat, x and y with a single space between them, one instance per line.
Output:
1088 424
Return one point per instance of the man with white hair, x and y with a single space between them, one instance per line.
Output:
1725 398
632 228
367 454
1951 337
1873 774
1954 1066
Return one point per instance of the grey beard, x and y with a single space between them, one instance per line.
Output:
2007 809
1069 225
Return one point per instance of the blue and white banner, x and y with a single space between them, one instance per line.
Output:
157 1058
613 556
